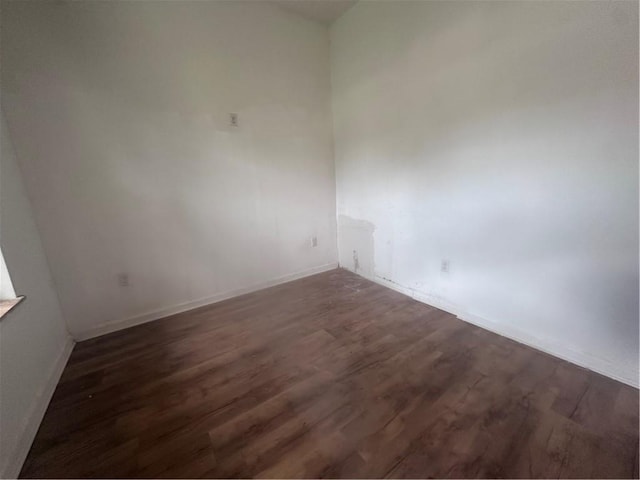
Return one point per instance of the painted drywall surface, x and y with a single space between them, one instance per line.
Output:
502 137
120 117
33 336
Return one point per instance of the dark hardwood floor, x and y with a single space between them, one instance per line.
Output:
329 376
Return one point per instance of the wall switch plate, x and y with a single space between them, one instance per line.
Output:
233 119
314 241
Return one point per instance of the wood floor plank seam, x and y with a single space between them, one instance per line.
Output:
329 376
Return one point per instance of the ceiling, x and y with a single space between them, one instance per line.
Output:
324 11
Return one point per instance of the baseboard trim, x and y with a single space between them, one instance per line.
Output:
114 326
591 362
629 376
36 414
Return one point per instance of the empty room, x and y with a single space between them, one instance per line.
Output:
319 239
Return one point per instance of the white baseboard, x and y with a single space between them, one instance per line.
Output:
629 375
36 413
591 362
183 307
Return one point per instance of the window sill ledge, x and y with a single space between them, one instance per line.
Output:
7 305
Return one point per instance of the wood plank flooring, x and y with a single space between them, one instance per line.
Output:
329 376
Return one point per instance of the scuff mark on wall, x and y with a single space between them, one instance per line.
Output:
356 246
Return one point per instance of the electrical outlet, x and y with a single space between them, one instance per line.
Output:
314 241
444 266
123 279
233 119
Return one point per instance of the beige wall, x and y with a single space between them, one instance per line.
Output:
502 137
119 112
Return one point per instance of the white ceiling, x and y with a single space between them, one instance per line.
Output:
324 11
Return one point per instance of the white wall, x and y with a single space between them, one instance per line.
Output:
119 113
503 137
34 344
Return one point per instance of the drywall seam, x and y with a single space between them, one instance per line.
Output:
183 307
36 414
628 375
